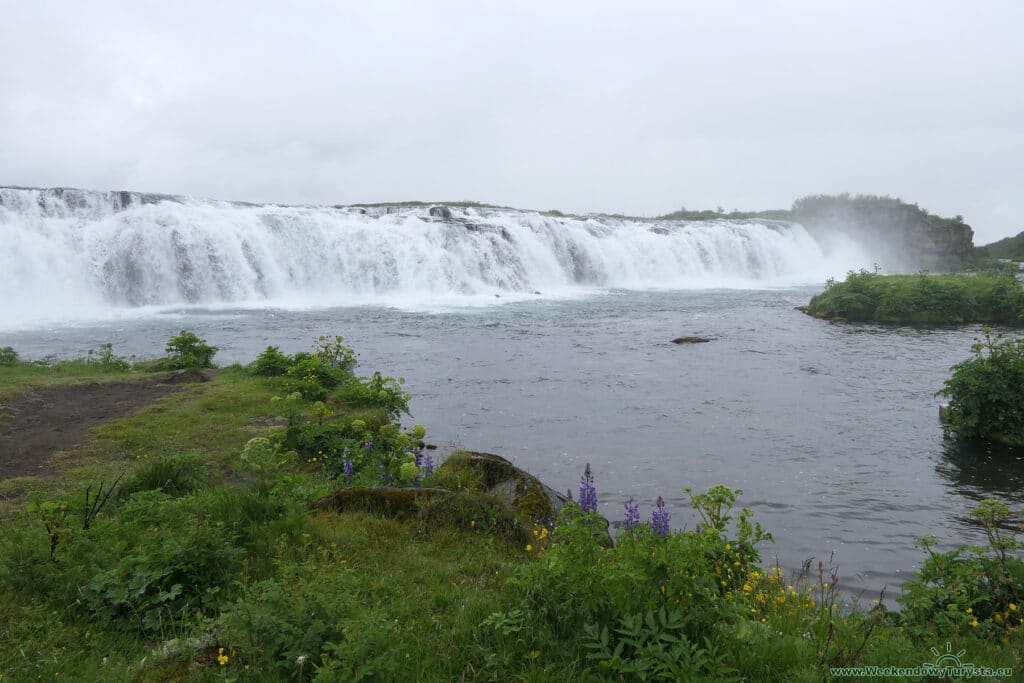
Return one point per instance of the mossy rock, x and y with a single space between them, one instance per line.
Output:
495 475
690 340
433 508
389 502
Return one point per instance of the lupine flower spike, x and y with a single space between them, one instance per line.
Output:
588 494
428 464
632 515
660 518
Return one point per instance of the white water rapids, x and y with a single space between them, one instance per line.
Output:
78 254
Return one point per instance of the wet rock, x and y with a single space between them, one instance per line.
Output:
519 489
441 212
690 340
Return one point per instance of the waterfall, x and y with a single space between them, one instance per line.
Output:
67 253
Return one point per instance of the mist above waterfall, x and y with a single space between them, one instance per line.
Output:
73 254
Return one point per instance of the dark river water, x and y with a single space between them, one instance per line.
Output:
831 430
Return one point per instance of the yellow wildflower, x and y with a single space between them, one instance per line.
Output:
969 610
747 587
529 548
222 658
974 623
1013 607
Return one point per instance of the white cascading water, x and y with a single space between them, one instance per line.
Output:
67 254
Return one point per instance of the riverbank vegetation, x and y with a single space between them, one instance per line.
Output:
985 394
922 298
181 543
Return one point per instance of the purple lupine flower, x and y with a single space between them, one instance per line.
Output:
383 474
368 446
428 464
588 494
660 518
347 471
632 515
417 453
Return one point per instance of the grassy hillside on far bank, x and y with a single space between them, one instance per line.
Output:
1008 247
921 299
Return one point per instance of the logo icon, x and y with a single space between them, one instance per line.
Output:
946 659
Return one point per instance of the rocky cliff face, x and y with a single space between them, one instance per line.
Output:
908 233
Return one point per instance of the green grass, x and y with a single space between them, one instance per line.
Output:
21 378
201 554
921 299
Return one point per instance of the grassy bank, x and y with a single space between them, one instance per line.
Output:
921 299
207 562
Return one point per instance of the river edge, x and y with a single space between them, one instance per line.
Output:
151 435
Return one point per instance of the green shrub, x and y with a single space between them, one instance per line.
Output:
187 351
970 589
8 356
921 299
153 564
271 363
700 574
377 392
334 353
986 392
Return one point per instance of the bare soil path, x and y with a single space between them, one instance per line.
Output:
58 417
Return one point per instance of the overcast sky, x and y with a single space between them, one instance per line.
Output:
631 107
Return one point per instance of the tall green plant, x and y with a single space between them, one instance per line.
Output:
188 351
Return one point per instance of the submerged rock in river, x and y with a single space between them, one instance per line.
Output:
690 340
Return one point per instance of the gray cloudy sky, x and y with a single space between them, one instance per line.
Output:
637 107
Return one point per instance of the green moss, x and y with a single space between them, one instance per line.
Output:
471 470
389 502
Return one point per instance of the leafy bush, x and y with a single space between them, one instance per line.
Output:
377 392
271 363
986 392
8 356
313 378
700 574
155 564
187 351
921 299
334 353
974 589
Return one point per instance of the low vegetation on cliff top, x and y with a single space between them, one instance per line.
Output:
205 561
921 299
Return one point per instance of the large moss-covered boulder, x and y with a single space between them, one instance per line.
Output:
497 476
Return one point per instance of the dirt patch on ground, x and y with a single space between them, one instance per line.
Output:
57 418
